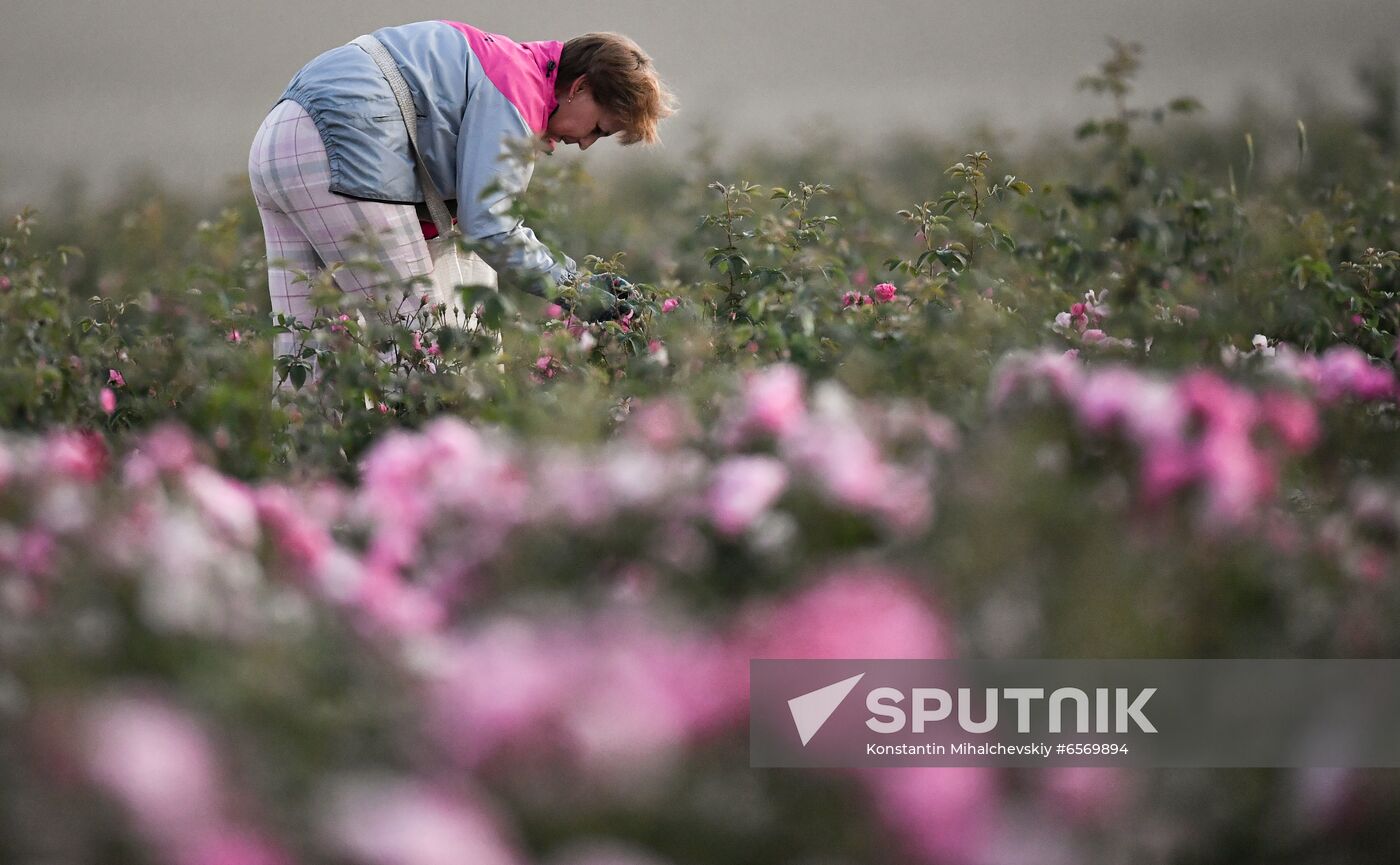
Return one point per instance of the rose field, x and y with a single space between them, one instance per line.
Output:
417 595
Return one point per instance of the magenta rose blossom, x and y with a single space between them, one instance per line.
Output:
885 291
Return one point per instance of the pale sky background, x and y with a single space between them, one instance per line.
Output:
179 86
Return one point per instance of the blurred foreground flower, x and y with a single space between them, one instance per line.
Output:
158 763
1197 431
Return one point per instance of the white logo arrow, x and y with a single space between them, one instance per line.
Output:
810 711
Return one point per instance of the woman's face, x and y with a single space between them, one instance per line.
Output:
578 119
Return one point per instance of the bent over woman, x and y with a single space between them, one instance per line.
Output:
332 162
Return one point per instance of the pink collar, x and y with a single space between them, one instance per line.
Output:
524 72
546 55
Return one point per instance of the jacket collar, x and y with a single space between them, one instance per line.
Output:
546 56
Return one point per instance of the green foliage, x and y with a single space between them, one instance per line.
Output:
1196 254
1178 252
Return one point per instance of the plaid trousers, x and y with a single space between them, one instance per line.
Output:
308 227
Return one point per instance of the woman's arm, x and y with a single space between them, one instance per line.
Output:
489 178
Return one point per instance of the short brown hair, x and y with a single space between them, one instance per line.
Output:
623 80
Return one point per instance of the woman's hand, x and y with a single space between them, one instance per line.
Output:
602 297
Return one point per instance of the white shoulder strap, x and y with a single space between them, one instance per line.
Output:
437 209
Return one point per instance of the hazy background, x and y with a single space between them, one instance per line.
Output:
101 89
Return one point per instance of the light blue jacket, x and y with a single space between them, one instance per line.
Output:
476 93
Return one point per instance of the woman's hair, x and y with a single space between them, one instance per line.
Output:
623 80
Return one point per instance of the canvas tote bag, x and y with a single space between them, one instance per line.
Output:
453 266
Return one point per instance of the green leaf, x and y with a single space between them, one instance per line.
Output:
952 257
493 312
1088 129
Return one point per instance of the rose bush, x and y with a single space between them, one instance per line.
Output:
443 599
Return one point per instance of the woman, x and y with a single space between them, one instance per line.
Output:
331 163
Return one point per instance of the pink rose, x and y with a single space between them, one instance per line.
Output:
885 291
108 398
664 424
670 303
115 378
155 760
414 823
76 456
743 490
302 540
853 612
1345 370
36 552
1293 419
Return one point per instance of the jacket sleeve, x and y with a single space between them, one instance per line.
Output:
489 178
